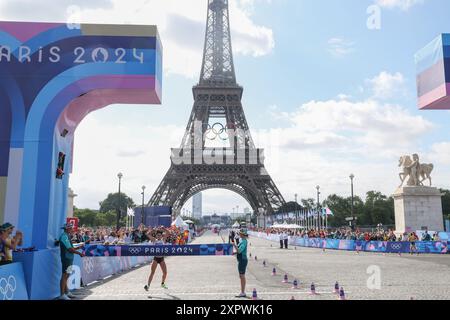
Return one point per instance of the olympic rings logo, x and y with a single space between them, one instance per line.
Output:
217 130
135 251
88 265
396 246
8 287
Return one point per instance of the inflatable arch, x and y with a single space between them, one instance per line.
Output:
51 76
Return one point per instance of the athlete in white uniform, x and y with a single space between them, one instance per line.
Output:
157 239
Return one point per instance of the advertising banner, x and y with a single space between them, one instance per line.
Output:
158 250
436 247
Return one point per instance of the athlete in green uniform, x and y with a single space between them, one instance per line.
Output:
241 254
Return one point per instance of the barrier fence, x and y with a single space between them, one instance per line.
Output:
435 247
98 268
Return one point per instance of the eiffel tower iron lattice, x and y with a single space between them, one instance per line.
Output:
217 115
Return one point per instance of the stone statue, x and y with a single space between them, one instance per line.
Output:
416 171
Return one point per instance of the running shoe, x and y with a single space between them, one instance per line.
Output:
146 287
70 295
64 297
241 295
163 285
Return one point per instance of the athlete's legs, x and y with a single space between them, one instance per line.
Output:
243 282
152 273
164 271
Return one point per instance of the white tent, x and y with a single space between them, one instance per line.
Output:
236 225
179 223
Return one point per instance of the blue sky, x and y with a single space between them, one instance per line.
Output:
325 95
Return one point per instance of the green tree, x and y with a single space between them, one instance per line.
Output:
87 217
308 204
341 208
446 202
378 208
94 218
112 202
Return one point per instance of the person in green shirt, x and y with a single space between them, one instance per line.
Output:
241 254
67 255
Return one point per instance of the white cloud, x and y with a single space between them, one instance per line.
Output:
387 85
325 141
340 47
401 4
181 24
440 153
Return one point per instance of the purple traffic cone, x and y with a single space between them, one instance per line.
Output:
295 284
254 294
264 263
274 272
342 294
336 288
292 298
313 289
256 258
285 278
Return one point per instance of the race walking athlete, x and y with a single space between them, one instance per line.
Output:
157 237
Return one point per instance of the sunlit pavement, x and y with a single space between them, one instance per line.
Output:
363 276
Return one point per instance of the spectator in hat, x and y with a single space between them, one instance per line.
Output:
67 255
10 242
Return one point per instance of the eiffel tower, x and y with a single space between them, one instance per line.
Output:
217 115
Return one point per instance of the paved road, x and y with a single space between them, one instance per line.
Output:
213 278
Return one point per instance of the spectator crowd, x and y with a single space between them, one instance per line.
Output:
349 234
142 234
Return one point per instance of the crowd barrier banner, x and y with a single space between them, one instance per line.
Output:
436 247
98 268
12 282
155 250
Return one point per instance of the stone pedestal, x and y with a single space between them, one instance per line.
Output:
418 208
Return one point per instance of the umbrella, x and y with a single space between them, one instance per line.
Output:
189 221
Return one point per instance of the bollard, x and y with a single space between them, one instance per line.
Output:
295 284
285 279
274 272
256 258
264 263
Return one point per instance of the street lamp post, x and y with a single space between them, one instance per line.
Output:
296 212
143 204
120 176
352 176
318 207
